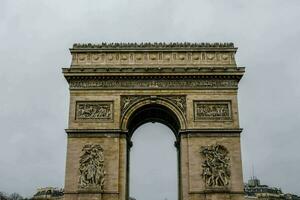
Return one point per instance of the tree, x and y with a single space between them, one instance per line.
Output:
3 196
15 196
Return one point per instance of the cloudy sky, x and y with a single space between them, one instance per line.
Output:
35 36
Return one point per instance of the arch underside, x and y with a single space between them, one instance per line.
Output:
153 110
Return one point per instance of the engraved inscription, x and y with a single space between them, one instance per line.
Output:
216 172
94 110
212 110
91 167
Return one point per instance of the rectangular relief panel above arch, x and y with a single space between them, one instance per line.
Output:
212 111
94 111
217 110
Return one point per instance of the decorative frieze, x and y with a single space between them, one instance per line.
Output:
153 84
179 101
215 167
212 110
96 110
91 168
193 58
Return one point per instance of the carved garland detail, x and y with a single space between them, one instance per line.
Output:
91 167
216 169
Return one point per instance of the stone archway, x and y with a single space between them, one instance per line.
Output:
192 88
153 109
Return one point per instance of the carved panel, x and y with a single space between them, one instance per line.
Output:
127 101
95 110
164 58
212 110
153 84
91 168
106 54
216 169
178 101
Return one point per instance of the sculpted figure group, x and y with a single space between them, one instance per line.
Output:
216 172
93 111
92 167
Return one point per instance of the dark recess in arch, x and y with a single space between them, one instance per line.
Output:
153 113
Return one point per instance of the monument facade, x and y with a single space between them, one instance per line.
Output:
190 87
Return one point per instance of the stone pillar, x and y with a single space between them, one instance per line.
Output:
223 159
83 181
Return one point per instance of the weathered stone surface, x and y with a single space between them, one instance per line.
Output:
190 87
150 54
94 111
92 168
212 110
216 169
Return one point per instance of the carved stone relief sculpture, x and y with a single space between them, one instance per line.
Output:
167 57
94 110
151 84
212 110
216 169
178 101
91 167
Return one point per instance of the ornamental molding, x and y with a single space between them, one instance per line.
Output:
215 167
154 58
127 101
175 70
155 45
94 110
95 83
91 168
212 110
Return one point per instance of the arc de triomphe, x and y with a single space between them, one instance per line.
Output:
190 87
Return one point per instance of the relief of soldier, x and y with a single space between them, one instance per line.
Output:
93 111
216 171
212 110
91 167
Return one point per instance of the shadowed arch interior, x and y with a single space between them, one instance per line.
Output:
153 113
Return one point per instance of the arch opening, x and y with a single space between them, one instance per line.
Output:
163 116
153 163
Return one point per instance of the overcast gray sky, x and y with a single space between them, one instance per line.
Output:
35 36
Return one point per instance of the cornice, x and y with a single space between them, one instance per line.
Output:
153 78
157 46
110 131
127 72
214 132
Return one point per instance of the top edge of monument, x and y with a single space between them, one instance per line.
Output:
186 46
